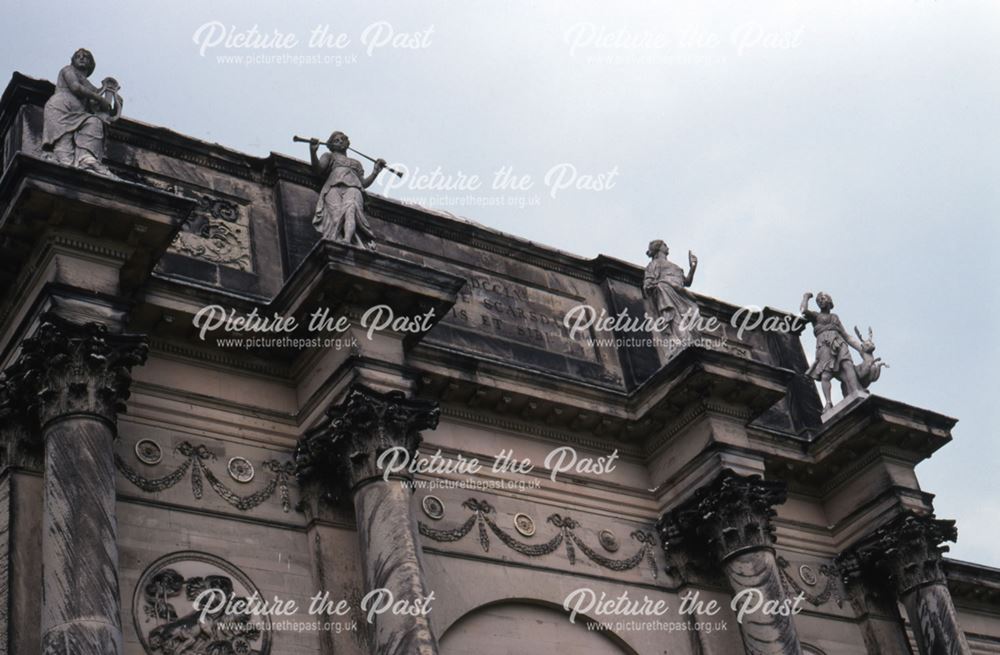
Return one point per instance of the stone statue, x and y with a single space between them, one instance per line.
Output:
340 211
833 354
665 288
77 113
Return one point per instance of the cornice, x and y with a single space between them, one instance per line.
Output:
513 425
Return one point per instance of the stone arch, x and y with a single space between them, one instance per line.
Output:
531 625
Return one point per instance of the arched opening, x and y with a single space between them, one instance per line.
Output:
527 627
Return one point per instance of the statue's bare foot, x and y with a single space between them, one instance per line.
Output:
91 164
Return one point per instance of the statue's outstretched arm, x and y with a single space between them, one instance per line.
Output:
851 340
379 165
807 313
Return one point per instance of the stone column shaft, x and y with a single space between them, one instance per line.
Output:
391 556
756 571
343 456
728 522
81 599
71 381
906 557
935 623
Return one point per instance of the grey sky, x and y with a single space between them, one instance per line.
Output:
847 146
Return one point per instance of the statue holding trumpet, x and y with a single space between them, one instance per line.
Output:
340 211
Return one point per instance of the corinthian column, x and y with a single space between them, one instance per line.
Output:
71 381
907 554
729 522
343 455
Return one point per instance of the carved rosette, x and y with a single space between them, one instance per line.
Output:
344 452
67 369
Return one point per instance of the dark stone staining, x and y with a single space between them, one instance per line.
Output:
341 456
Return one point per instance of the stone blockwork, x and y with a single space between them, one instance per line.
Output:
197 484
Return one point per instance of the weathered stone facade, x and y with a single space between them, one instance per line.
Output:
142 465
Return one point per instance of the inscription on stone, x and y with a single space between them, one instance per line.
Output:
517 312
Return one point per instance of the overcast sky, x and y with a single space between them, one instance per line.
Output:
847 146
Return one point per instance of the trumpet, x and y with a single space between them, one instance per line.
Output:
301 139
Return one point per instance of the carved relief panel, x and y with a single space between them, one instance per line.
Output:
168 623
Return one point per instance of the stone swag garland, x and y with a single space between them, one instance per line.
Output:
566 535
195 461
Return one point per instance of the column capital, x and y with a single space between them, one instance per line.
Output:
906 552
730 515
343 452
66 368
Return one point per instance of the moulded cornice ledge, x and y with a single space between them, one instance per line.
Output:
37 194
881 422
698 374
336 273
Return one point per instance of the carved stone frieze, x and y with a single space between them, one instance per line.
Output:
566 537
196 458
817 588
218 231
168 622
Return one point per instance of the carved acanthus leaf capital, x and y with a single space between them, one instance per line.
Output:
728 516
66 368
344 451
907 552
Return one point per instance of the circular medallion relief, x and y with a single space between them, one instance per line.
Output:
167 622
148 451
433 507
524 524
240 469
808 575
608 540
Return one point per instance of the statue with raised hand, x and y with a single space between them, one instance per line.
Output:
833 344
664 286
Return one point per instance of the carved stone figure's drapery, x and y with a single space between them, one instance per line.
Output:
729 521
69 383
343 455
